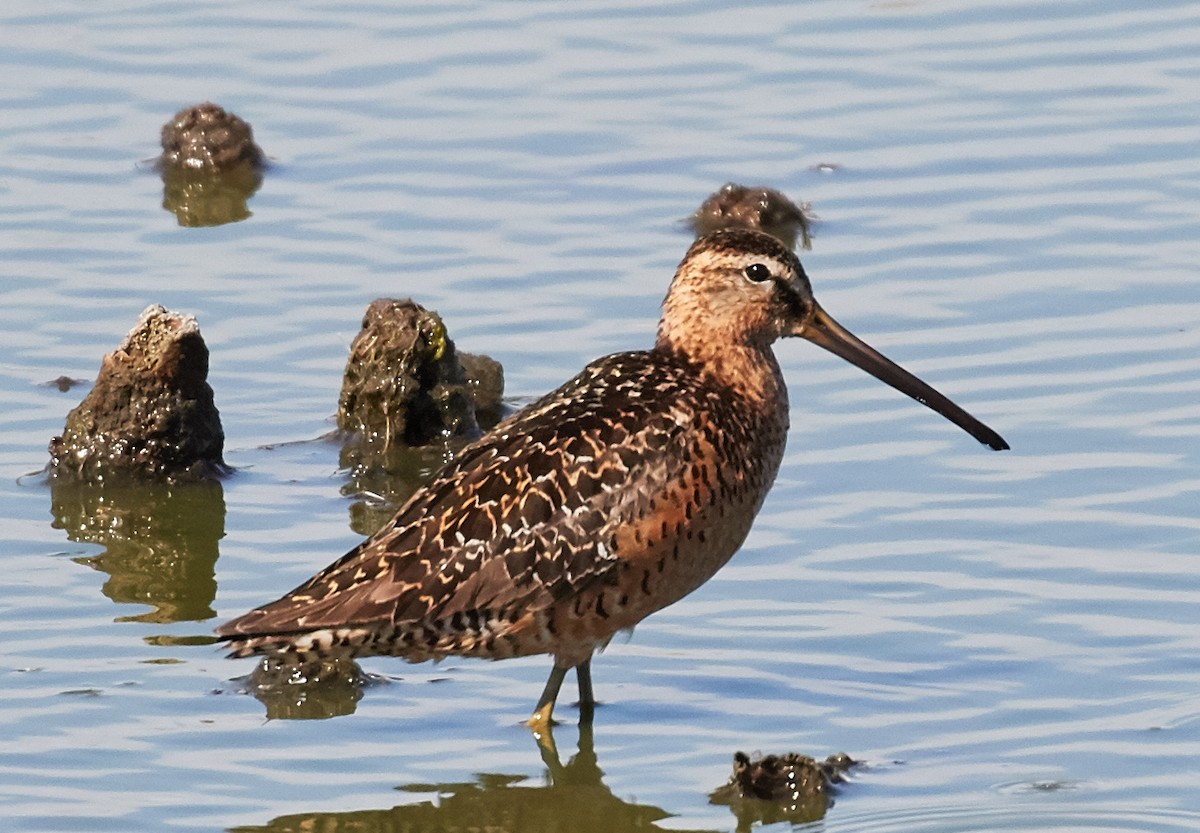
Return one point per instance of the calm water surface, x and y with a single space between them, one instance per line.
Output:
1010 209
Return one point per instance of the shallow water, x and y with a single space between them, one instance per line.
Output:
1009 209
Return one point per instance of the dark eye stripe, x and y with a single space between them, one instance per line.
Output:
757 272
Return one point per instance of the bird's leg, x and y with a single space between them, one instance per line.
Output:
541 718
582 768
587 703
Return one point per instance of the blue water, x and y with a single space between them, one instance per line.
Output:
1008 194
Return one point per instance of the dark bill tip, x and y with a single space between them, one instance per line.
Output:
821 329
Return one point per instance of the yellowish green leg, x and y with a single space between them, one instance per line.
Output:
543 712
541 719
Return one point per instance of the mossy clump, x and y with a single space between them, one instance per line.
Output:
208 137
405 383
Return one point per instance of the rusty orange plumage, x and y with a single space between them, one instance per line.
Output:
606 500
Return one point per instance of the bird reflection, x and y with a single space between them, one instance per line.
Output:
573 797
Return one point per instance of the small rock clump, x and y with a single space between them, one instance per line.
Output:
775 788
150 414
210 166
485 376
206 137
756 208
313 690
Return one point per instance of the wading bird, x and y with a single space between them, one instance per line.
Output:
604 501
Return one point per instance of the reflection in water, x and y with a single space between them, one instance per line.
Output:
210 198
791 788
160 541
786 788
389 476
573 798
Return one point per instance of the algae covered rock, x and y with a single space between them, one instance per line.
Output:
313 690
485 377
409 401
757 208
150 414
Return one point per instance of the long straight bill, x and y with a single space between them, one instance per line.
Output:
821 329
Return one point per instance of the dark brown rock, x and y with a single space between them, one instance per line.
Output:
207 137
151 413
485 377
757 208
64 383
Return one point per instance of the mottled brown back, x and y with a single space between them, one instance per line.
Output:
536 513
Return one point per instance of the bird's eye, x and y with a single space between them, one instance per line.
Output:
757 272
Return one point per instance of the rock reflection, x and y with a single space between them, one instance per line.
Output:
160 541
572 798
200 198
390 477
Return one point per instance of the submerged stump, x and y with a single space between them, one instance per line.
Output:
756 208
151 413
309 691
207 137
